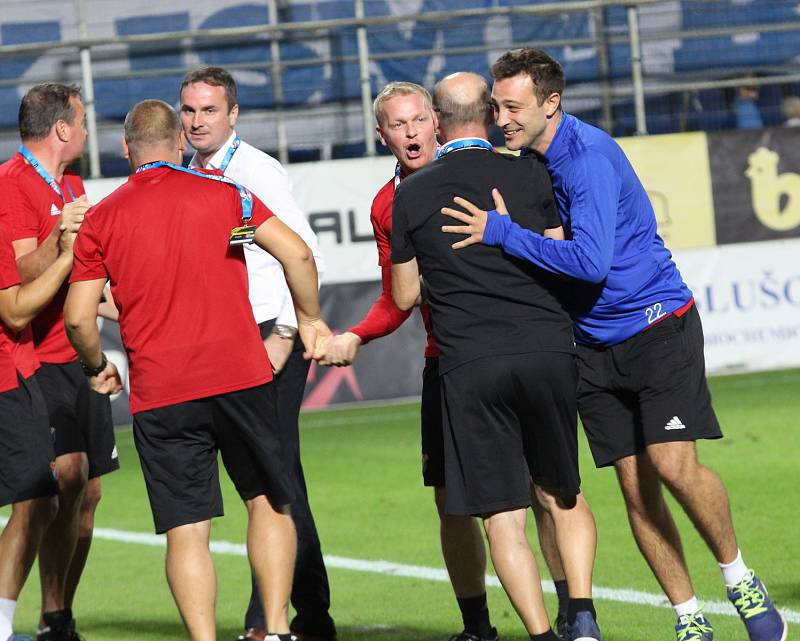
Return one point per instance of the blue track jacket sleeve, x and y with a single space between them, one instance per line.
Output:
593 189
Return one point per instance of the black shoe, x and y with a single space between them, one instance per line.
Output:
466 636
252 634
305 636
67 633
560 627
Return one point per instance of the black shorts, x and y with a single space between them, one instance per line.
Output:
431 424
507 420
178 447
648 389
80 416
26 446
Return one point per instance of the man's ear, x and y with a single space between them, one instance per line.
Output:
126 152
62 130
553 103
380 135
233 115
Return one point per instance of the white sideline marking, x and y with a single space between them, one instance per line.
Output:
422 572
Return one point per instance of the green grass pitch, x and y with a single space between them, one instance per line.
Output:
363 471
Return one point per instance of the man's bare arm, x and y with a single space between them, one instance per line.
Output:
20 304
300 270
32 258
406 287
80 320
107 308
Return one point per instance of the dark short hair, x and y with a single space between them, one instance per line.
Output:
216 77
545 72
150 123
43 106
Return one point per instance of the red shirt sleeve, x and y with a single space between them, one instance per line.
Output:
382 240
17 211
384 316
88 252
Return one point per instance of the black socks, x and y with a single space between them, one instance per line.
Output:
579 605
475 614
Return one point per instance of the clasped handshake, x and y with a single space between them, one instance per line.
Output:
326 348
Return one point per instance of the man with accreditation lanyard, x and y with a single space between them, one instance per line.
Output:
407 126
27 481
200 379
48 196
508 393
643 396
208 112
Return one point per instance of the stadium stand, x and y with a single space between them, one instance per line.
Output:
690 50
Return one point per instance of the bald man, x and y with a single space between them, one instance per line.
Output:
201 381
507 356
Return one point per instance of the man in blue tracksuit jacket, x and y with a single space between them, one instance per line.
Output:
642 395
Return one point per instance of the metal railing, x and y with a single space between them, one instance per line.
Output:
273 32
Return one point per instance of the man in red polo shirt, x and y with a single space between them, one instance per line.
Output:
406 124
52 132
26 448
199 374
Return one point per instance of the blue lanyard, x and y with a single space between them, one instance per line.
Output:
37 166
229 154
246 196
463 143
397 171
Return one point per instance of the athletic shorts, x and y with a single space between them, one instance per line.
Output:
648 389
178 447
509 420
80 416
431 424
26 446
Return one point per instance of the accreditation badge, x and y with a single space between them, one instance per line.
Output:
242 235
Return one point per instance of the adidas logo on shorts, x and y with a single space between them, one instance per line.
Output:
674 424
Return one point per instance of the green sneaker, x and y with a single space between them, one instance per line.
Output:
694 627
758 612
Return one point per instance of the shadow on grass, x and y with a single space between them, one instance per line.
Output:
785 593
96 629
381 633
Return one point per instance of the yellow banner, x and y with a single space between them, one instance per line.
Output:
675 171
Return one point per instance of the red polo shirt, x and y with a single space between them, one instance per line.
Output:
16 350
384 316
37 212
185 318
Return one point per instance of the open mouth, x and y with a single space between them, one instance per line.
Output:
414 150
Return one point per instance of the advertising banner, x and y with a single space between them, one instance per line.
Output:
674 170
756 182
749 299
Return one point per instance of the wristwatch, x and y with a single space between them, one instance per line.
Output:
94 371
285 331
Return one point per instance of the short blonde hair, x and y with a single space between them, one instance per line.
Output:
399 88
150 123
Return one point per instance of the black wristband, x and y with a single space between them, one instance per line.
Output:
94 371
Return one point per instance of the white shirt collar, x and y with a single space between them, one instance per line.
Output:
216 159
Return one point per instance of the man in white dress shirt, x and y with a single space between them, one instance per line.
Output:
209 111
